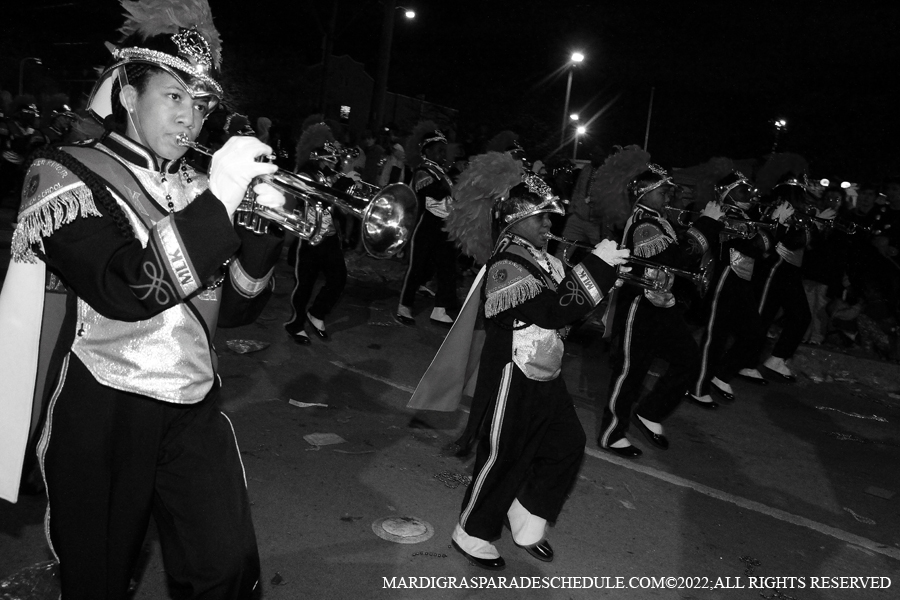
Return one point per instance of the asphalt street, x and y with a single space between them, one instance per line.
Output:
777 495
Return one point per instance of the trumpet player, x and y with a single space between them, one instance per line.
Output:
780 281
318 156
150 262
646 323
732 311
530 442
430 250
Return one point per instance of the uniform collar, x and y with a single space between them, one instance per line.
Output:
641 208
136 154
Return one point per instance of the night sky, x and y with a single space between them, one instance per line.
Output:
721 72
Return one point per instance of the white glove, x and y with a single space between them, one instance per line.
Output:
828 213
713 211
234 167
608 251
783 212
267 195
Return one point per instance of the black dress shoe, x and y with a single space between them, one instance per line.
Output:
707 405
782 376
725 395
493 564
755 380
541 550
321 333
657 439
624 452
404 320
301 339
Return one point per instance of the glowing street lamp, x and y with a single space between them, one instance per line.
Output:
574 60
408 12
574 116
579 131
780 126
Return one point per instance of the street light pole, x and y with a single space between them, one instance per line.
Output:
22 70
376 111
327 49
562 130
576 58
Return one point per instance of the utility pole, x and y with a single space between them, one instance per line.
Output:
649 114
376 111
327 51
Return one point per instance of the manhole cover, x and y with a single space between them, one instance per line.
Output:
403 530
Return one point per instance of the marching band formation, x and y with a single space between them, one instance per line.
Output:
134 242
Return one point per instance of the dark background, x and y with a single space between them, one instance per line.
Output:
721 72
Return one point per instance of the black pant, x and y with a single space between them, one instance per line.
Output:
732 315
327 258
782 288
430 252
531 450
111 459
642 333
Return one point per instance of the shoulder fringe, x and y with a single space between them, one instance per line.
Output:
512 295
48 216
651 247
648 241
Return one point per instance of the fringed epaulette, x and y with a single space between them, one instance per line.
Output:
53 196
508 284
649 239
422 178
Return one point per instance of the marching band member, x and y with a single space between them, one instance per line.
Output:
318 158
646 324
531 441
780 281
150 261
430 251
732 309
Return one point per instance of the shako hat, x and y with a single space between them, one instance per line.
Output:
177 36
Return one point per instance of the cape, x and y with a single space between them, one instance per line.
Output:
454 369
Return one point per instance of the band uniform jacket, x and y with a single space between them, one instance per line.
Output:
432 186
150 261
649 235
528 305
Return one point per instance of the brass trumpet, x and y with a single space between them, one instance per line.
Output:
388 216
735 226
701 278
840 224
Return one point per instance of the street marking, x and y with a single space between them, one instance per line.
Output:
399 386
775 513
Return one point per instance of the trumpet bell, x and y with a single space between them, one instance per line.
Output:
388 217
388 220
